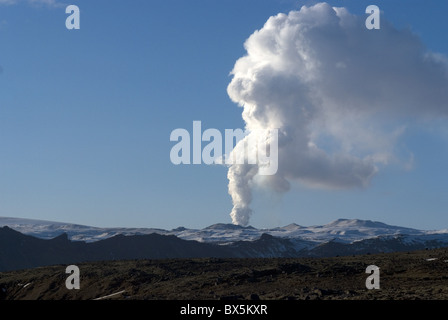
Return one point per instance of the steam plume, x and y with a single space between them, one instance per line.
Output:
339 94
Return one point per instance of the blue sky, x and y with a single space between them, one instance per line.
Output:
86 116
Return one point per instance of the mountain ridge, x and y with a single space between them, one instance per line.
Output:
347 230
20 251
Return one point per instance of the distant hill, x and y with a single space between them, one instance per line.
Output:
20 251
345 230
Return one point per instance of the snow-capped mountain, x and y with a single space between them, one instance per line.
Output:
341 230
49 229
28 243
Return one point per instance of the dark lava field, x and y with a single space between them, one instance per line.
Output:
421 275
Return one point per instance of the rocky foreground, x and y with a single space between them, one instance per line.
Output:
403 276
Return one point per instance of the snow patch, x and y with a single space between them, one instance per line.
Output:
344 230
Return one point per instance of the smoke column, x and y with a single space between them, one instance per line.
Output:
339 94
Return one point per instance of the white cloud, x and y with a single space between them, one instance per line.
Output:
341 96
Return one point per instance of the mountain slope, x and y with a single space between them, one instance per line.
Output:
19 251
345 230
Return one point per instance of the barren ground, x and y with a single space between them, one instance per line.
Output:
403 276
